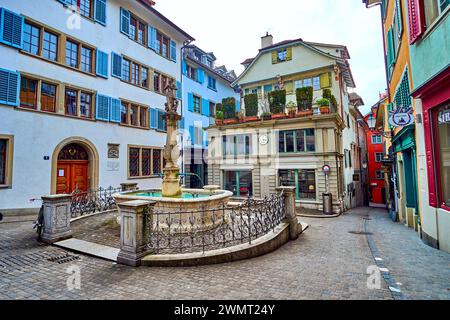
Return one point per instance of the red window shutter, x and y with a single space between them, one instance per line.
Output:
430 159
416 20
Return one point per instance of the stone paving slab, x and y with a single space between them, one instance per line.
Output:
89 248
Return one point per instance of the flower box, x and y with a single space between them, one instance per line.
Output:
250 119
304 113
230 121
279 115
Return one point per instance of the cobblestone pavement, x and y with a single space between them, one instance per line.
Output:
326 262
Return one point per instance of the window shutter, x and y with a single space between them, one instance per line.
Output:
398 13
11 28
391 52
152 38
205 107
200 75
190 102
102 107
181 124
416 20
114 113
325 81
192 134
289 54
116 65
173 50
100 11
179 90
153 118
9 87
125 21
184 67
274 57
289 87
102 64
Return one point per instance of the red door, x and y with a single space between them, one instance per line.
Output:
71 176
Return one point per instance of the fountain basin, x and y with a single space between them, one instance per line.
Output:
202 208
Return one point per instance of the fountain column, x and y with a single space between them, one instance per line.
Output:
171 182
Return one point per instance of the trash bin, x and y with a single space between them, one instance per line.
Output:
327 203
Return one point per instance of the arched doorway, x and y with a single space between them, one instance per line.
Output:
74 166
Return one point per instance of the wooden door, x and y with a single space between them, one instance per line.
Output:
71 176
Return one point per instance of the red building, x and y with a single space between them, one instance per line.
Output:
375 153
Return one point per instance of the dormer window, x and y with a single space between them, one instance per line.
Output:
282 54
198 56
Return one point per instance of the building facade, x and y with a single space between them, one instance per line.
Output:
204 85
82 95
265 148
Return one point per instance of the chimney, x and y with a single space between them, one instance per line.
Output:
266 41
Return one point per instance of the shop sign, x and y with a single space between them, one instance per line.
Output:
444 116
401 117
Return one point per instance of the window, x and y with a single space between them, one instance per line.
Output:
239 182
316 83
134 115
50 46
156 82
78 103
126 70
72 54
71 102
6 154
304 182
86 59
198 135
433 9
85 104
28 93
236 145
212 83
84 6
144 77
376 139
138 30
135 74
378 156
191 72
212 109
48 97
144 162
282 55
31 38
297 141
379 174
162 45
197 104
442 149
308 82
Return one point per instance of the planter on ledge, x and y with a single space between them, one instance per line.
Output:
279 115
304 113
219 122
324 110
249 119
230 121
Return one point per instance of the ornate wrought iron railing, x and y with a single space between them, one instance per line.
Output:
92 201
183 231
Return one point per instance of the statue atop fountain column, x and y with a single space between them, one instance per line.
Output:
171 182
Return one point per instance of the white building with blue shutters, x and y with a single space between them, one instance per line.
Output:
204 85
82 95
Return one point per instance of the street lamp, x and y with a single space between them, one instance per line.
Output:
371 122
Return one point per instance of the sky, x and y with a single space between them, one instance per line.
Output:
232 29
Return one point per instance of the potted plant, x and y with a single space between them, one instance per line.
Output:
219 117
304 98
291 107
277 102
324 105
326 93
229 111
251 107
266 116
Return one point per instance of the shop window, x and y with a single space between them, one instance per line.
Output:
442 148
239 182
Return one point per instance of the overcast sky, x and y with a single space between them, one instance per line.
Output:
232 30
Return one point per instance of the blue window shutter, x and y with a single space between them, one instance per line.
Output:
153 118
173 50
191 102
100 11
9 87
205 107
184 67
179 90
116 65
200 75
125 21
114 111
152 38
181 124
102 64
238 105
11 28
102 107
192 135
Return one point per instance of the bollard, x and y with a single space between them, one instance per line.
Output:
57 217
291 217
134 231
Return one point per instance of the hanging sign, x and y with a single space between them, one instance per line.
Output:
401 117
